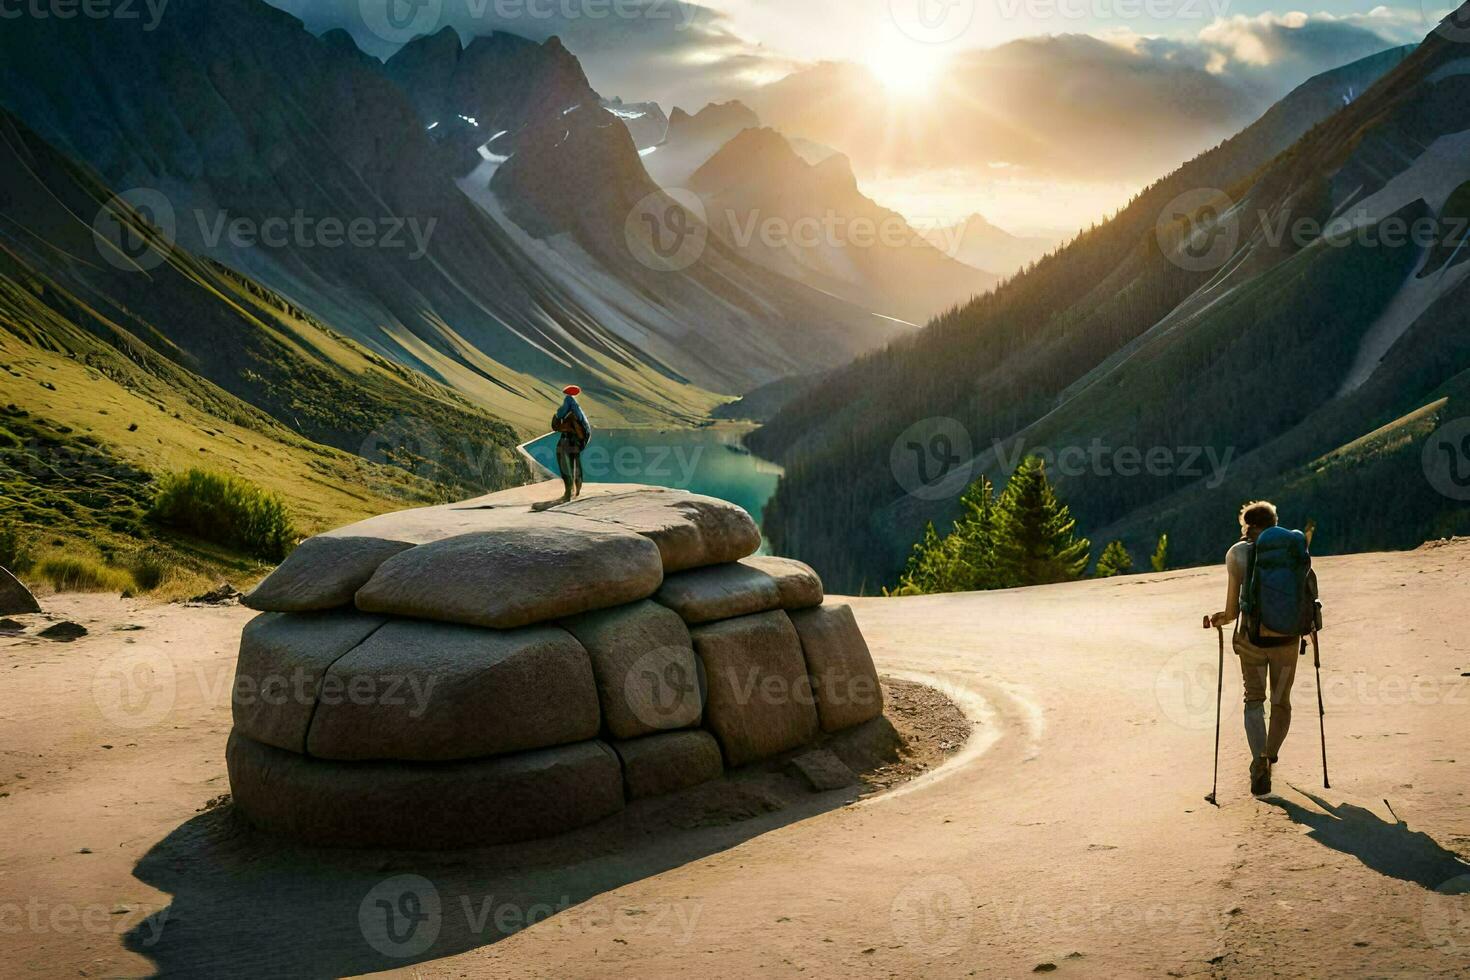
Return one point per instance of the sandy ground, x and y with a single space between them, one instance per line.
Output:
1068 835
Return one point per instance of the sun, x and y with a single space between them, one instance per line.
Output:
905 69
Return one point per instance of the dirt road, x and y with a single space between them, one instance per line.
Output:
1070 836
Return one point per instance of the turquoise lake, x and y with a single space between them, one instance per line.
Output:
708 461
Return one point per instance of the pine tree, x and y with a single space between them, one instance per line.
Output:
927 569
1115 560
973 548
1035 543
1160 560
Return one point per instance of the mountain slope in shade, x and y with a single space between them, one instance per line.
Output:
981 245
1137 335
232 110
812 223
692 140
163 361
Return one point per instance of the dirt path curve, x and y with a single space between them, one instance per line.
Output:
1070 836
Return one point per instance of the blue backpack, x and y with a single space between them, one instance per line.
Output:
1280 592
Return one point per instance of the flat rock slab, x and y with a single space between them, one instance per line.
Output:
63 632
823 771
544 567
840 665
798 583
662 764
743 588
759 700
435 692
327 571
283 658
15 598
691 530
648 678
424 807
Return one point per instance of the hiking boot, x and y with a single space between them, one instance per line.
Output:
1261 776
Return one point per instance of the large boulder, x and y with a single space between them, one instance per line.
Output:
404 806
707 595
690 530
759 701
545 567
15 598
647 675
840 665
433 692
661 764
283 658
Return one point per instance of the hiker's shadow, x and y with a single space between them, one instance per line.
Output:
1391 849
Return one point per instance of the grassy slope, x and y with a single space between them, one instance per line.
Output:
188 364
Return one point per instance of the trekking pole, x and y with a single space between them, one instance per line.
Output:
1219 697
1321 709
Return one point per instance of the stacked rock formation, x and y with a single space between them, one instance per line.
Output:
489 672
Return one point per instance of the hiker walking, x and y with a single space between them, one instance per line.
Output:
576 432
1272 600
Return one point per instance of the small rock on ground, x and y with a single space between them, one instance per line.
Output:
823 771
225 595
64 632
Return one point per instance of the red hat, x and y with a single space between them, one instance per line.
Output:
572 390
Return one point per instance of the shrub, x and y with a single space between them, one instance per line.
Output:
15 552
225 510
84 575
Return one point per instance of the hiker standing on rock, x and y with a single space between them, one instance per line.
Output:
1272 599
576 432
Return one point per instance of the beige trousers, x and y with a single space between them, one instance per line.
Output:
1263 670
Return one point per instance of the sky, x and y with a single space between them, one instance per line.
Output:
1244 52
